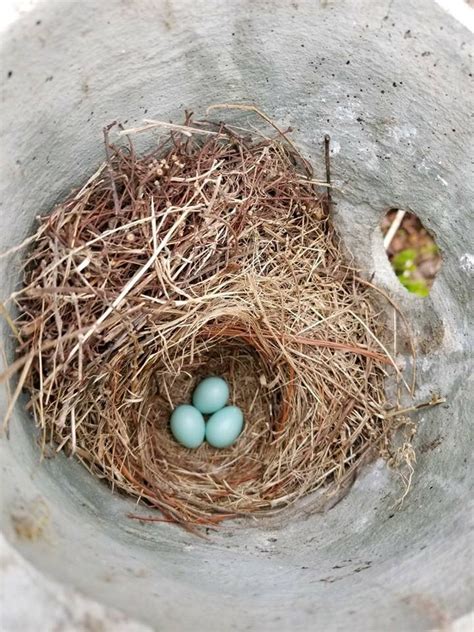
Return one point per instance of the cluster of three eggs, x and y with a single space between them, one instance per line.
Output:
224 424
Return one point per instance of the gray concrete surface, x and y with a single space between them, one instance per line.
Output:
31 603
390 83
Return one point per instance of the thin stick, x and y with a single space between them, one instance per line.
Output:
394 226
129 286
109 167
434 401
186 130
73 431
327 161
97 173
26 242
17 391
265 117
390 300
4 313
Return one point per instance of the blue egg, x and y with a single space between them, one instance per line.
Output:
211 395
188 426
223 428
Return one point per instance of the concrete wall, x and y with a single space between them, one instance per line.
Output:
390 82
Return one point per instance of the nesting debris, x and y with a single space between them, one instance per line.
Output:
214 254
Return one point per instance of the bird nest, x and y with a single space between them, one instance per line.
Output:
213 255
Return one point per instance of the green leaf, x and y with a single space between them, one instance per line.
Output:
404 260
417 286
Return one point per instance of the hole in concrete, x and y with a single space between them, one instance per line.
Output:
411 250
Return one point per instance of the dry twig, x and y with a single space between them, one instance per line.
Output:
211 256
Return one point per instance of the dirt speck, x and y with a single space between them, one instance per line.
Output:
431 445
168 17
432 339
30 520
430 608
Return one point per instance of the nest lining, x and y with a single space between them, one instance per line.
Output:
214 254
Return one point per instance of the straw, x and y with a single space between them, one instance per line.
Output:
213 255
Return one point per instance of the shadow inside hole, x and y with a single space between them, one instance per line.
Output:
411 250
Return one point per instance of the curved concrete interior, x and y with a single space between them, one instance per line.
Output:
389 81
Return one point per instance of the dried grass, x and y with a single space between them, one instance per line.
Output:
214 254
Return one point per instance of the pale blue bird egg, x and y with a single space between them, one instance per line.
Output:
211 395
224 426
188 426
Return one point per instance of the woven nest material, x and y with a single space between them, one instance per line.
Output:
213 255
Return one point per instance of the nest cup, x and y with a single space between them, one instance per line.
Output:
362 564
161 264
199 480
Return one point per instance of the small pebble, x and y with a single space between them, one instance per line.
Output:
211 395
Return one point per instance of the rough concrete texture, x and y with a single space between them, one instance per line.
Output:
31 603
391 83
